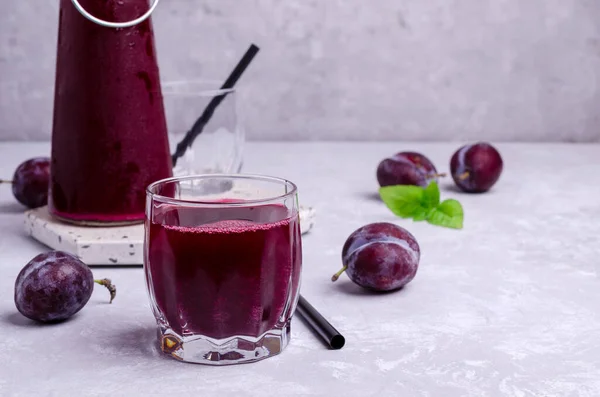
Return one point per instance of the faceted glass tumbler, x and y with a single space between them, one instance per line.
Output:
222 260
219 147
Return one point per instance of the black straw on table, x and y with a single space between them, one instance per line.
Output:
199 125
320 325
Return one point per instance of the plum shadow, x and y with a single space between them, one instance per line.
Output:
373 196
16 318
11 208
455 189
451 187
348 287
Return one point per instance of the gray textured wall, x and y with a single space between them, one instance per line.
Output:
354 69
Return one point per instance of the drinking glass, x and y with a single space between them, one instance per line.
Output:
222 262
219 147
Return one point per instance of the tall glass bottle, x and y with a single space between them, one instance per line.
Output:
109 135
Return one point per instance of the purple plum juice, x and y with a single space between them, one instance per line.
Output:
236 274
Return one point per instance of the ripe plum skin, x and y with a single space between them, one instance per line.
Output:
406 168
381 256
476 168
53 286
30 182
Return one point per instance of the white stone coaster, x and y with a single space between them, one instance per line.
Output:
119 245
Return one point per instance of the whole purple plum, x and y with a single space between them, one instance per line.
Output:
380 257
30 182
406 168
476 168
55 285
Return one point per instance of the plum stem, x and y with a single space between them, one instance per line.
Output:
440 175
338 274
6 181
110 286
463 176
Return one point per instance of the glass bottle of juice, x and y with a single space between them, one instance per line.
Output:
109 134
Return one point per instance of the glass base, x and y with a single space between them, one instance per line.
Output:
234 350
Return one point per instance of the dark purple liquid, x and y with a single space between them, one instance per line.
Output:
237 274
109 136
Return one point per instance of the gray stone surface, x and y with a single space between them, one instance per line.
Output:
508 306
442 70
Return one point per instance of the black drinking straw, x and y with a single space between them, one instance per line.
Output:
199 125
320 325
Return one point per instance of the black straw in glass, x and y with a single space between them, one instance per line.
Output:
320 325
199 125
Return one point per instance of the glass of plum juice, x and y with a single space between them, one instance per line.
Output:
222 262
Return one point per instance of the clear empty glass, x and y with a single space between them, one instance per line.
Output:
219 148
222 261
